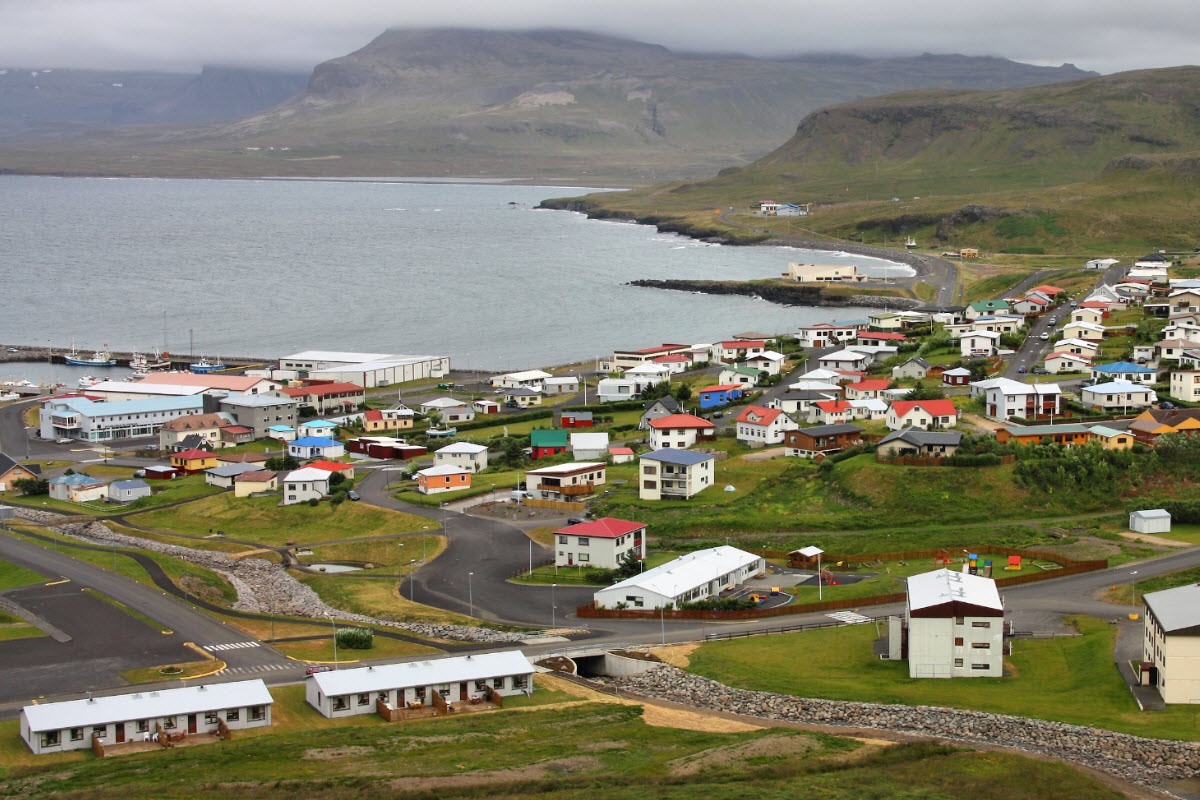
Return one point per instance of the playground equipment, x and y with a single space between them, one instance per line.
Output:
828 578
1014 563
942 559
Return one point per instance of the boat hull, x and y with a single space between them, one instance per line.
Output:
91 362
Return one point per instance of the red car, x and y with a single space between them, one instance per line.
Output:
313 669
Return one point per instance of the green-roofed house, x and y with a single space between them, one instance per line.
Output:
546 443
985 307
738 375
1111 438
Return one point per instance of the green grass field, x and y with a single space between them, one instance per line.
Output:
1068 679
12 576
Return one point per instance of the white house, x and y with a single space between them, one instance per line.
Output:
924 414
459 679
762 426
824 334
316 447
225 475
739 375
471 457
1152 520
528 379
674 474
1171 642
1087 331
767 361
915 367
649 374
679 430
1185 385
954 626
1005 398
115 719
77 488
846 360
564 385
732 350
1062 361
568 481
1080 347
302 485
321 428
1118 395
979 344
613 390
600 544
689 578
589 445
128 491
81 418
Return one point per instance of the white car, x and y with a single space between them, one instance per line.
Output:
1044 337
63 440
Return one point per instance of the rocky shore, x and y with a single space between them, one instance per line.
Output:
1145 761
780 293
262 587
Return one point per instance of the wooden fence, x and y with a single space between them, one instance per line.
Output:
590 611
931 461
561 505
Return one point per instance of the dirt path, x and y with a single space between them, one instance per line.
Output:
765 455
1149 538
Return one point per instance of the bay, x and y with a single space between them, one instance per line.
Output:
270 267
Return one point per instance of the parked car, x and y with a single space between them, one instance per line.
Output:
139 473
1053 321
353 495
1166 404
313 669
1040 371
718 414
1021 370
63 440
1044 337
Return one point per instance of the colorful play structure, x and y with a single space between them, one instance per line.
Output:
828 578
971 563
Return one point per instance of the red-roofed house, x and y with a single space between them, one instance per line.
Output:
1048 290
234 435
878 339
733 350
194 460
620 455
926 414
389 419
328 397
865 389
333 466
601 544
758 425
829 412
1033 304
680 430
675 362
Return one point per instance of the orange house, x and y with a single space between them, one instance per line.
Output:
194 460
445 478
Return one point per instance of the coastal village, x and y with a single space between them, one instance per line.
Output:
608 455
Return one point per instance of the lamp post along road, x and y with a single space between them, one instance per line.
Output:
470 594
553 607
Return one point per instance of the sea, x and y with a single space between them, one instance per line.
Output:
271 267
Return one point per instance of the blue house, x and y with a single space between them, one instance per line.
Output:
128 491
720 395
316 447
1123 371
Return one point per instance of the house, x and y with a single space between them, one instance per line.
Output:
845 360
674 474
347 470
566 481
193 461
736 349
1123 371
224 476
620 455
210 383
1062 361
870 408
163 473
1079 347
865 389
831 412
1184 301
649 374
953 626
115 719
256 482
1068 435
450 411
585 446
1171 643
471 457
1171 349
11 471
676 363
915 367
821 440
368 370
959 376
77 488
1118 395
576 419
1087 331
824 273
721 394
1153 422
762 426
233 435
689 578
568 384
984 307
302 485
319 428
225 457
443 478
614 390
662 407
1110 438
485 406
1005 398
798 403
604 543
128 491
768 362
996 323
1030 305
979 344
869 339
824 334
917 442
1154 520
738 375
207 426
545 443
924 414
1101 263
528 379
316 447
1084 314
1185 385
328 398
522 397
261 413
90 421
414 684
680 431
389 419
625 359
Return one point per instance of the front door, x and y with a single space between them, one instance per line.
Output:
120 732
191 723
462 691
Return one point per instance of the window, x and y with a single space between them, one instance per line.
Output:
210 718
444 692
648 470
50 739
233 715
257 713
420 693
960 621
168 722
101 731
562 540
520 681
340 703
382 696
958 641
364 699
958 662
649 485
981 645
497 683
481 686
584 557
76 734
981 624
979 666
143 725
583 541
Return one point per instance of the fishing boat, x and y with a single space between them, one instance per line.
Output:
150 363
204 366
87 381
102 358
910 243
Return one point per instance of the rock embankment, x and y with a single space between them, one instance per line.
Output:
780 293
1146 761
263 587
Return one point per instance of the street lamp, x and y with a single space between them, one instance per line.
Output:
399 568
333 627
470 594
553 607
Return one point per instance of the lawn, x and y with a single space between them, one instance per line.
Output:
167 672
165 492
377 597
263 520
385 554
1071 680
321 650
525 751
12 576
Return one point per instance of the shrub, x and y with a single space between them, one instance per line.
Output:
314 502
356 638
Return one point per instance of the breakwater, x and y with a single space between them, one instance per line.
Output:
780 293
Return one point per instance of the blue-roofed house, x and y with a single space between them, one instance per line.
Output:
320 428
284 433
87 420
128 491
77 488
316 447
1123 371
671 474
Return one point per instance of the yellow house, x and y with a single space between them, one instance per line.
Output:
1171 643
1111 439
248 483
387 420
194 460
1153 422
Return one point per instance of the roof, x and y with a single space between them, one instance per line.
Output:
231 470
883 336
833 406
567 469
743 344
233 383
673 358
256 476
150 405
236 429
463 447
330 466
589 441
1118 386
456 669
740 370
7 463
683 458
956 372
314 441
324 390
76 479
526 375
1105 431
1122 366
845 355
620 451
307 474
146 705
132 387
761 416
547 438
722 387
444 469
680 421
256 400
829 430
943 586
188 455
318 423
521 391
1067 355
1046 288
769 355
988 305
689 571
668 402
1178 609
442 402
868 386
935 408
920 438
917 360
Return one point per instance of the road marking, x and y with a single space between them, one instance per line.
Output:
213 648
849 617
57 583
261 668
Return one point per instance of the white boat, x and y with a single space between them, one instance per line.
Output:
147 364
910 243
87 381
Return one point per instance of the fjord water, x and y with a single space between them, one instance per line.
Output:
269 267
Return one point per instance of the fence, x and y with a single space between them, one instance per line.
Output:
589 610
561 505
933 461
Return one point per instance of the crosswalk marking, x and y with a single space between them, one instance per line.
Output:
260 668
213 648
848 617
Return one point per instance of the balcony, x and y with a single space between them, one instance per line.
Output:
567 491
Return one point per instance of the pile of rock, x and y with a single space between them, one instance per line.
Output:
263 587
1146 761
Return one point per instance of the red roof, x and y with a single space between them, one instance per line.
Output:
868 386
833 406
765 415
647 350
323 390
237 429
894 337
681 421
330 466
935 408
620 451
194 453
603 528
1094 304
849 373
1068 354
373 415
1041 301
721 387
1046 288
674 358
740 345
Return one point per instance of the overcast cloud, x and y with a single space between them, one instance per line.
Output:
182 35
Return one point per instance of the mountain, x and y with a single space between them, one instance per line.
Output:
547 103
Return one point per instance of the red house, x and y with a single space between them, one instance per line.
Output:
577 419
545 443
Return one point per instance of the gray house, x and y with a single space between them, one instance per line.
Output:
258 412
915 367
128 491
656 409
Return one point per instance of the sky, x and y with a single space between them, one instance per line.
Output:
183 35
